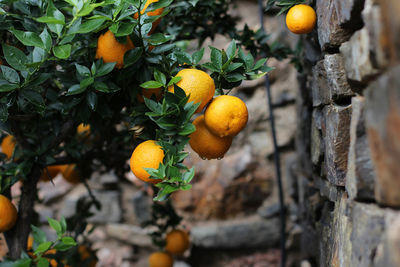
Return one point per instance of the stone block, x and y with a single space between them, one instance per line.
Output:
358 60
360 177
337 140
319 85
317 144
336 75
142 207
130 234
337 20
382 115
252 232
387 253
390 39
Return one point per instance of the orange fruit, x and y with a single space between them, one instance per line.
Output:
146 155
8 145
301 19
71 174
8 214
50 173
29 244
160 259
156 12
177 242
205 143
149 92
110 50
83 129
198 84
226 115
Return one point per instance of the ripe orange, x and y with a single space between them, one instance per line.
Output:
198 84
8 214
177 242
205 143
301 19
156 12
226 115
83 129
160 259
146 155
148 93
110 50
8 145
50 173
71 174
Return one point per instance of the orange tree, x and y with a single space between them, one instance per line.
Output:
108 68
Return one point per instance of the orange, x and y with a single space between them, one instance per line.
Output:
71 174
8 145
205 143
8 214
226 115
156 12
160 259
83 129
50 173
146 155
149 92
110 50
198 84
301 19
177 242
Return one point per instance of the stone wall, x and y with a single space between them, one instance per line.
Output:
348 138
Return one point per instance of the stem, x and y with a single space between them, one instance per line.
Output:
17 237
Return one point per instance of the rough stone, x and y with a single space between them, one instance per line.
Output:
251 232
337 140
357 57
336 75
142 207
110 211
319 85
390 38
130 234
387 253
331 32
360 177
331 192
317 144
382 114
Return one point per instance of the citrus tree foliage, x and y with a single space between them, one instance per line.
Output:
51 82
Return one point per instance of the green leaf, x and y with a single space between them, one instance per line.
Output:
151 84
259 63
50 20
233 66
160 77
43 262
211 67
68 241
152 105
52 11
197 56
132 56
105 69
158 38
183 57
101 87
10 74
33 97
216 57
234 77
38 234
28 38
18 263
63 223
55 225
188 129
91 99
43 247
62 51
86 82
89 26
82 70
3 116
231 51
174 80
75 89
15 57
46 39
